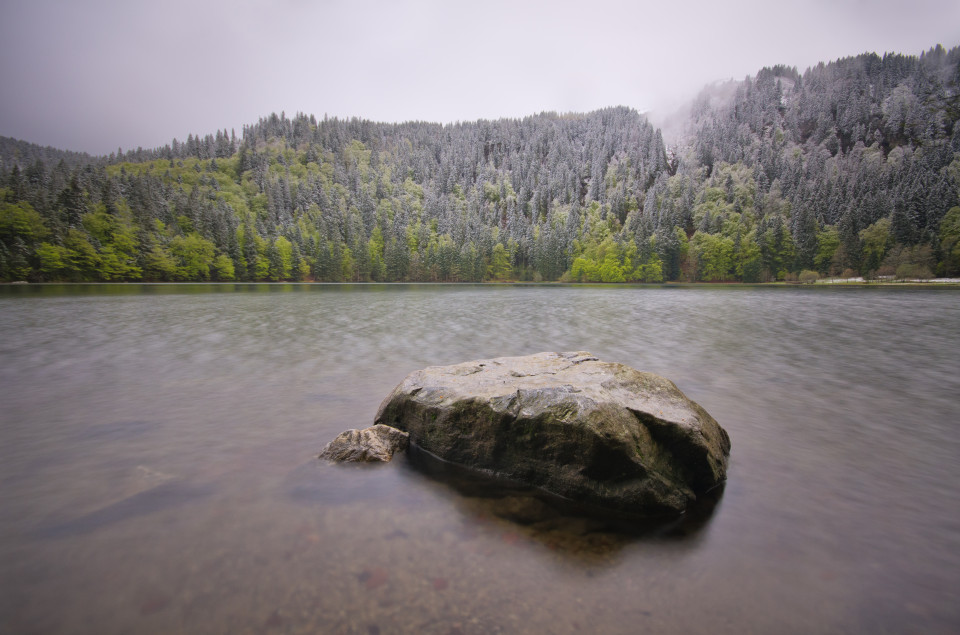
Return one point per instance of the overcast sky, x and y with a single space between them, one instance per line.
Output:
93 75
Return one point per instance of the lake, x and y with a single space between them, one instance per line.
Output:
158 471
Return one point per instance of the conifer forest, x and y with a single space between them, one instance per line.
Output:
850 168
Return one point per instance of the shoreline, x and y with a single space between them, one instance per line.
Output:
823 282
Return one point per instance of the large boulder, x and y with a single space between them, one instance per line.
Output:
596 432
370 445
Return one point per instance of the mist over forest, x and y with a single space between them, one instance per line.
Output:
849 168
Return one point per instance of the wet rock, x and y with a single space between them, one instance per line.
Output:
591 431
376 443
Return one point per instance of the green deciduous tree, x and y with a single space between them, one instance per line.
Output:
222 268
83 261
193 255
828 241
280 257
950 241
54 261
715 256
21 220
159 264
500 267
876 241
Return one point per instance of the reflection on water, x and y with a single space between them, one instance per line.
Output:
563 525
571 530
158 474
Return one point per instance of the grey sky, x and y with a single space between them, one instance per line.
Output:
93 75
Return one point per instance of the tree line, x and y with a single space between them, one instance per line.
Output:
851 168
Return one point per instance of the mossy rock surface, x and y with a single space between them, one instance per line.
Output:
595 432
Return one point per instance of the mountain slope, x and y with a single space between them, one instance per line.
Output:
850 167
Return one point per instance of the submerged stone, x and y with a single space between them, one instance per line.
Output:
595 432
376 443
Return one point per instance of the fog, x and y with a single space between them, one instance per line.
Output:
95 75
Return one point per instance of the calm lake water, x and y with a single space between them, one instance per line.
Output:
157 465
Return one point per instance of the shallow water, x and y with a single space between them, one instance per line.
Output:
157 471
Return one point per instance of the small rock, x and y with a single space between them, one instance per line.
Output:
376 443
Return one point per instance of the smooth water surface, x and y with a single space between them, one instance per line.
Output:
157 465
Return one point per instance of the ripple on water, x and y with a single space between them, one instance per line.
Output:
837 516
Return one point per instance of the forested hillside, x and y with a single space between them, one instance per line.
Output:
850 167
